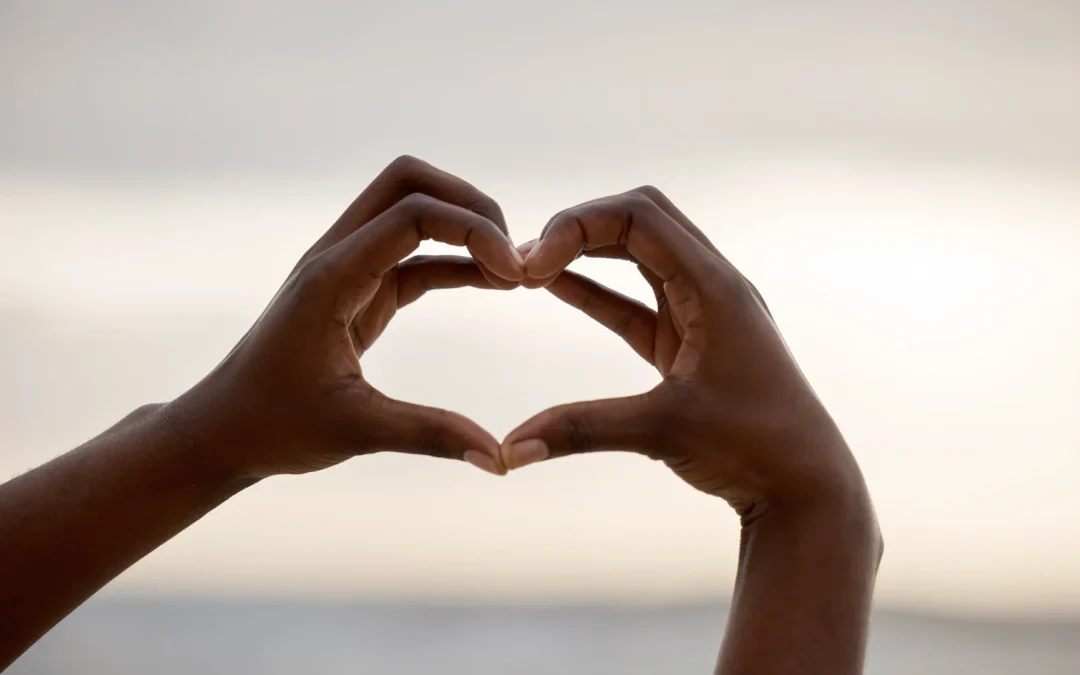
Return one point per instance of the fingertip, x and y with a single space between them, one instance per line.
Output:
519 265
518 454
515 269
537 276
496 252
544 262
483 452
478 440
484 462
436 432
497 282
533 255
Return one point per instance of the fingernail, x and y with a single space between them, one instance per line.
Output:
524 453
532 255
482 461
532 260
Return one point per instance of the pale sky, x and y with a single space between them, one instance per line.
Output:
903 186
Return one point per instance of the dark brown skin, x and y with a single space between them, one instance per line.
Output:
289 398
733 417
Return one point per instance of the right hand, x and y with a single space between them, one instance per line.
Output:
733 416
291 396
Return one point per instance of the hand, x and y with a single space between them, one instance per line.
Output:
734 415
291 396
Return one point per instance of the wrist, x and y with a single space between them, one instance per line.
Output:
841 520
199 444
827 493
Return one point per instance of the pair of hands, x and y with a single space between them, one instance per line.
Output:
733 416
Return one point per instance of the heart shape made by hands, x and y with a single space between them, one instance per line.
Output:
732 415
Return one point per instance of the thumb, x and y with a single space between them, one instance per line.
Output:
400 426
586 426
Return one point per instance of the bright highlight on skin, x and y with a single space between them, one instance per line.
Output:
523 453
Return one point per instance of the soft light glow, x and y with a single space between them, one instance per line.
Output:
932 316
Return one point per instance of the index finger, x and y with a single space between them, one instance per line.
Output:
364 256
650 235
402 177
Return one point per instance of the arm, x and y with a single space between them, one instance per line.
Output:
289 398
733 417
802 594
71 525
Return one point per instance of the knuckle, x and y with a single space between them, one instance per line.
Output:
312 275
580 434
433 440
413 206
726 285
635 199
401 177
408 175
640 212
639 204
483 205
652 192
404 167
396 178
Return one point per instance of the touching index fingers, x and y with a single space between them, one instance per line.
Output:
650 235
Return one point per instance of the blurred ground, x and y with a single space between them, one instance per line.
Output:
121 637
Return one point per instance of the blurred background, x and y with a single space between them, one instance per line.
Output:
901 181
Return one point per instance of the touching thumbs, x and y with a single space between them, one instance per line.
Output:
587 426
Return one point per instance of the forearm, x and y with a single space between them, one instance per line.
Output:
70 526
803 590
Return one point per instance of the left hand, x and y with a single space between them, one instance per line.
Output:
733 416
